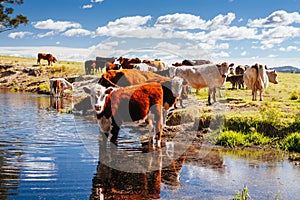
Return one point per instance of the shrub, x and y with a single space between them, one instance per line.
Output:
291 142
294 95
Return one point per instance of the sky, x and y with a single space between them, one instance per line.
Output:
243 32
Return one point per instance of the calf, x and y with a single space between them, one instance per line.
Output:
236 81
113 106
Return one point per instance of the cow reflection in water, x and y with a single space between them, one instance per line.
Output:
60 104
110 183
57 103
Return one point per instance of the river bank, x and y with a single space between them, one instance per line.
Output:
234 122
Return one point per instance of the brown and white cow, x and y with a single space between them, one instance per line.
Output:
159 65
122 78
58 85
203 76
49 57
113 106
256 78
128 63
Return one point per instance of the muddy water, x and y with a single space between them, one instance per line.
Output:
47 154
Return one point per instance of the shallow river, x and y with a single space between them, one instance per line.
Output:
46 154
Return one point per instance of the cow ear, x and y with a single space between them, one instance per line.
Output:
87 90
109 90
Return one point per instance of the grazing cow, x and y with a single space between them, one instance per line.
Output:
256 78
90 66
58 85
102 62
128 63
202 76
49 57
128 104
237 81
159 65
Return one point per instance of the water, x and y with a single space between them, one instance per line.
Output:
48 154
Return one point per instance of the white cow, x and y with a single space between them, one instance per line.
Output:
257 78
203 76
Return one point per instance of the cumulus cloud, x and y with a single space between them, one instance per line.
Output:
277 18
77 32
58 26
188 21
87 6
50 33
180 21
126 27
20 35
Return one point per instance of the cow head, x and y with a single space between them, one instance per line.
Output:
223 69
98 95
54 60
272 75
177 86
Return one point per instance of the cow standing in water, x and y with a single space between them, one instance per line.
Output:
113 106
49 57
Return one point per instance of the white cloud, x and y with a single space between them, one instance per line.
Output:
188 21
244 53
59 26
87 6
50 33
289 48
277 18
180 21
272 56
77 32
20 35
97 1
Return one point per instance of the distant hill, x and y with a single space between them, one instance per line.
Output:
289 69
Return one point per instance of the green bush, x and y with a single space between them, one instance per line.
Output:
291 142
294 95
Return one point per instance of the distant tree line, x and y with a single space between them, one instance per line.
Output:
7 20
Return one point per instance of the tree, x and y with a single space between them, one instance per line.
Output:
7 21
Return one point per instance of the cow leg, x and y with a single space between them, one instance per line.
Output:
157 111
261 95
209 93
114 132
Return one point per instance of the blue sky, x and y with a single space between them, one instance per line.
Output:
239 31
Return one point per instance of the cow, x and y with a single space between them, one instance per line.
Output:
236 80
240 70
159 65
102 62
49 57
113 106
121 78
202 76
256 78
112 66
58 85
128 63
145 67
90 66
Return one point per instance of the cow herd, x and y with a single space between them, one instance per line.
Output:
132 90
144 91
